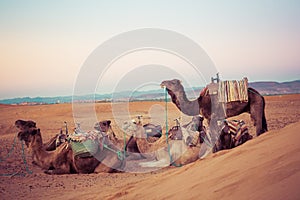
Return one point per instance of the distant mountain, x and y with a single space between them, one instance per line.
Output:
275 88
265 88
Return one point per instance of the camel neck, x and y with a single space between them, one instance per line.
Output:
181 95
185 105
37 142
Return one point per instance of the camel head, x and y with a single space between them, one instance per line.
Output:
179 98
172 85
23 125
103 126
28 135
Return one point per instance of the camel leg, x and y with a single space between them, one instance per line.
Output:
62 169
264 123
57 171
257 117
102 168
214 129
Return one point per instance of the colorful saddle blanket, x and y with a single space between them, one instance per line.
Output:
85 144
238 129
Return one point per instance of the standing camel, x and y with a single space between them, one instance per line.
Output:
203 104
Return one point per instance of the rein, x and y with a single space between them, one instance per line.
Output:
167 128
18 173
120 155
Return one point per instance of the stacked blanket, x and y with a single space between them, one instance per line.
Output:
83 136
233 91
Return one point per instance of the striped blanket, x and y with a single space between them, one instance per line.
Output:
238 129
229 91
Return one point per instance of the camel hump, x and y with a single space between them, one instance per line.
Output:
204 91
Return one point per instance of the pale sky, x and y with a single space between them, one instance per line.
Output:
43 44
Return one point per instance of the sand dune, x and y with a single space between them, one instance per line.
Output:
267 167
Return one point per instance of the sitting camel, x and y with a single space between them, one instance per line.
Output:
63 161
131 148
130 144
176 152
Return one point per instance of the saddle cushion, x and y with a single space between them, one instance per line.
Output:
87 148
85 144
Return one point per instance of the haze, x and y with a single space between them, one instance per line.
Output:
43 44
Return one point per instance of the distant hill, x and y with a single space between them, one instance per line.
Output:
275 88
265 88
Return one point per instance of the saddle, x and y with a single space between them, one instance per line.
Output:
176 133
237 130
84 144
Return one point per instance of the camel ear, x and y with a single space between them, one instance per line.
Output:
31 124
108 122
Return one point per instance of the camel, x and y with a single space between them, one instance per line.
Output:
181 154
131 148
130 144
203 105
63 161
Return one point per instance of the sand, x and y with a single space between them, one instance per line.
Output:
267 167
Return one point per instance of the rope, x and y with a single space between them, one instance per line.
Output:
18 173
167 128
24 159
11 150
124 146
119 153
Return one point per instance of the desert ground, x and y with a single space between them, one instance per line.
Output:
266 167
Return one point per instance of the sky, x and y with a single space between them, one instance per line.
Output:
44 44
